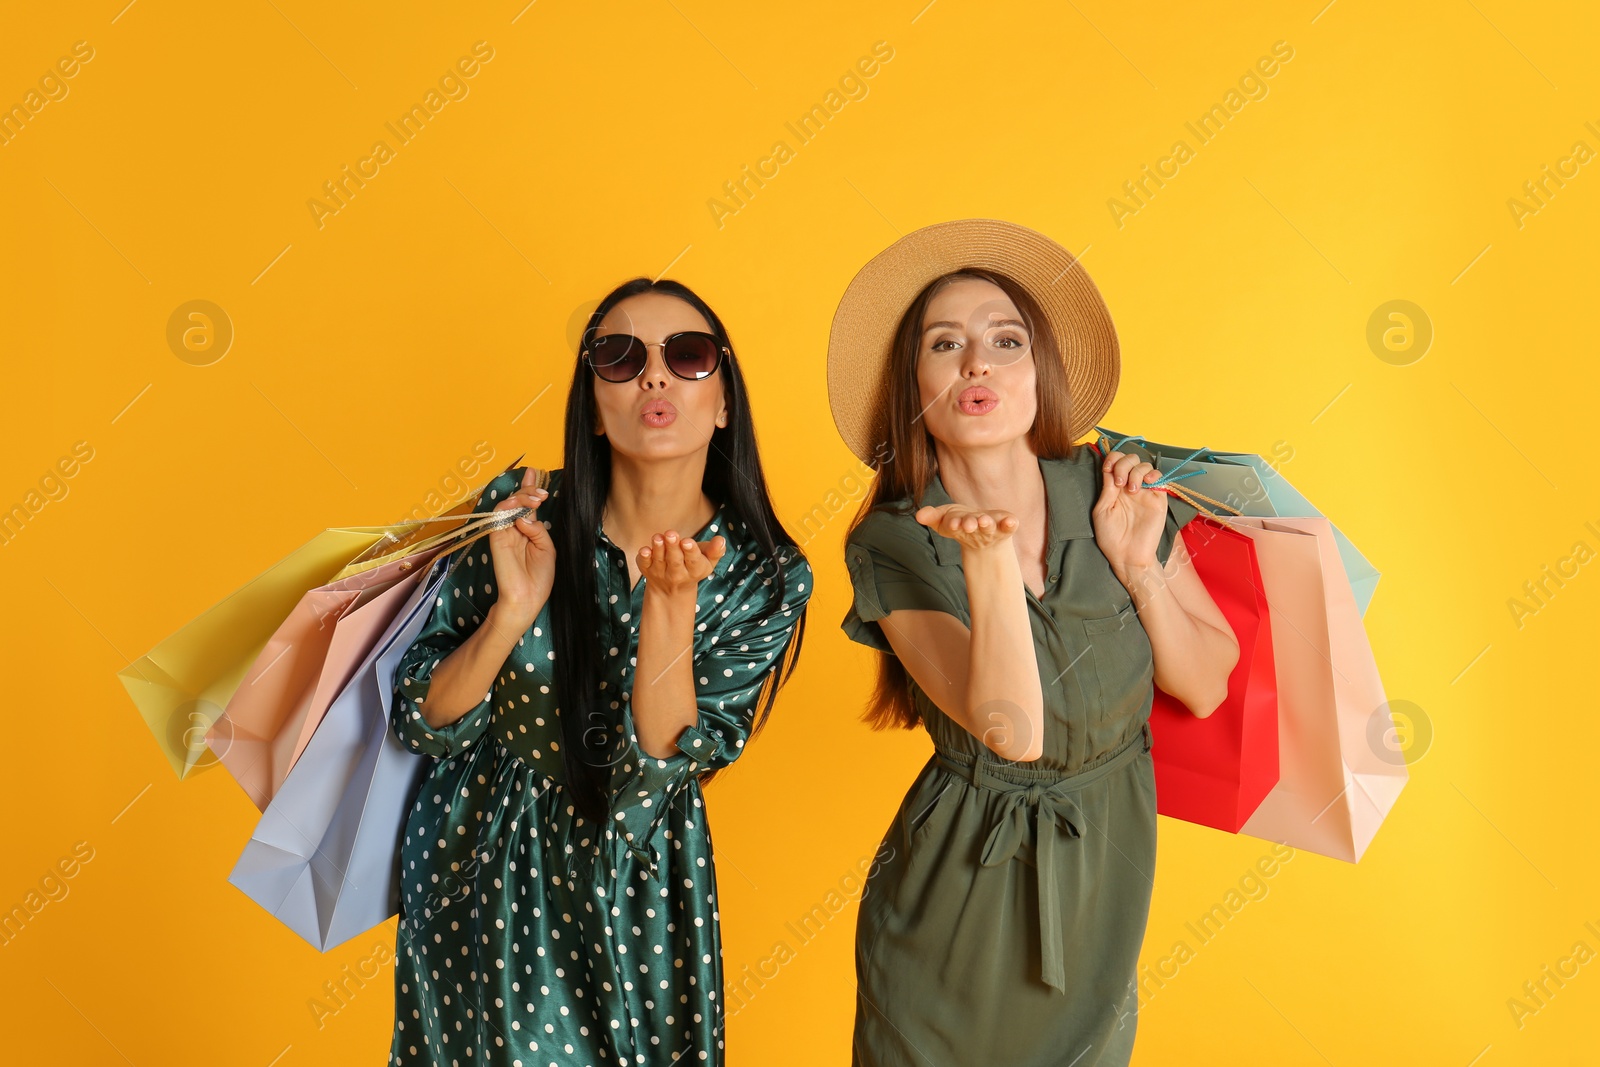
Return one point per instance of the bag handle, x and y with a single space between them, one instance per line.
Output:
477 524
1167 482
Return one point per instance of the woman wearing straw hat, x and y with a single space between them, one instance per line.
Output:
558 896
1026 593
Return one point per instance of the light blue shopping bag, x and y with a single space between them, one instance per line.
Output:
1248 482
324 857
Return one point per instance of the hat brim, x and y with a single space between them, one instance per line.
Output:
870 310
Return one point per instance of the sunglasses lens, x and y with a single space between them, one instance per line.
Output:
617 357
692 355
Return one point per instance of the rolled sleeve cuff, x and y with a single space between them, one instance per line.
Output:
437 741
881 587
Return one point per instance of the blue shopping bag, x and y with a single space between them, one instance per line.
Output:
324 857
1251 484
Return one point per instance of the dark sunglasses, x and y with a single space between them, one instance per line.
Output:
621 357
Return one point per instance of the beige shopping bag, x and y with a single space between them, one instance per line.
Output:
1336 782
305 664
182 685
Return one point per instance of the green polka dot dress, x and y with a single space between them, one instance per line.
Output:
528 935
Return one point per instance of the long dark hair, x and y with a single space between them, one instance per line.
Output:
733 476
906 467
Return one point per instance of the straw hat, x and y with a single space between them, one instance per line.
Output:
869 311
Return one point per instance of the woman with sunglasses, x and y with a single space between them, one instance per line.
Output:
577 682
1019 588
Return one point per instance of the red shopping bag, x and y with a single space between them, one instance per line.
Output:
1217 770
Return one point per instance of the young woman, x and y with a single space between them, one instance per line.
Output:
1026 594
578 679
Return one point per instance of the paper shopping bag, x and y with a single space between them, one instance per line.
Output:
324 857
182 685
1250 484
1336 780
1216 771
307 661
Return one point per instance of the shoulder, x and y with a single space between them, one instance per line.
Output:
893 529
890 544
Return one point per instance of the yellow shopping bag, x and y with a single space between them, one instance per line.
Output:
183 684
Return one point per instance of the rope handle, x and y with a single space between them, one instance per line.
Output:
476 525
1167 483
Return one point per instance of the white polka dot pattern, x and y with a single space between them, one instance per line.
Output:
528 935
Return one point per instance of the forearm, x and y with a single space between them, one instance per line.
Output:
664 695
1004 699
459 681
1192 658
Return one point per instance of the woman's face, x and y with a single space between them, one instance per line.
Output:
975 369
657 415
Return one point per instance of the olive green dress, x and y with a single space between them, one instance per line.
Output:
527 935
1005 925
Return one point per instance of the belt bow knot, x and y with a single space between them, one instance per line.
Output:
1053 806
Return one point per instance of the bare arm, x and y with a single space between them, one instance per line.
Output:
462 677
663 690
985 678
664 695
1194 647
524 570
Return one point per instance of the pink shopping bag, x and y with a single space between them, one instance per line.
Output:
1335 786
309 659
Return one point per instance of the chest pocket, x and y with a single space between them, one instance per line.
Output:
1124 665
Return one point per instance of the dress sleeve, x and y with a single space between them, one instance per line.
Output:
460 606
749 634
892 567
1179 512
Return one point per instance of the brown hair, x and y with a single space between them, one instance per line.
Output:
905 459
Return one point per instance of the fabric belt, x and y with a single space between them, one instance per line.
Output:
1052 803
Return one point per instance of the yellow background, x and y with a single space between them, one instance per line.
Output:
434 311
